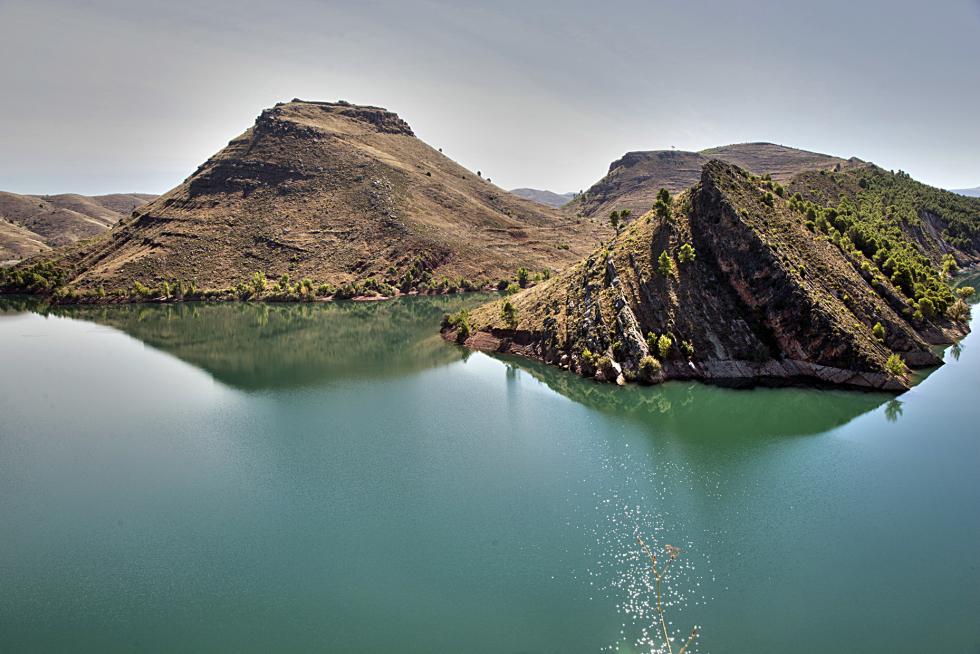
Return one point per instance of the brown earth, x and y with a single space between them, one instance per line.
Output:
30 224
332 192
633 180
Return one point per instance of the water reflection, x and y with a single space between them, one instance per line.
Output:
259 346
696 411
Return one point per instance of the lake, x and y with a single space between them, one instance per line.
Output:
336 478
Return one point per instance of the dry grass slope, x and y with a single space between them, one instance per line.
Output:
30 224
332 192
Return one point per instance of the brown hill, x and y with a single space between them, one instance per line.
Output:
18 242
633 180
736 283
53 220
549 198
333 192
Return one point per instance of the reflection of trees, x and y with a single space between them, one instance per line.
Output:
267 345
702 411
893 410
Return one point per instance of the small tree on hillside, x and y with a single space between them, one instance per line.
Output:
686 253
662 205
878 331
509 314
614 220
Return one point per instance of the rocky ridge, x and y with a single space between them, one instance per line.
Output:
730 285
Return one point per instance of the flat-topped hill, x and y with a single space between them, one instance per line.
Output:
336 193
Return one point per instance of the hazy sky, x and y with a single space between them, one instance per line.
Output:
121 95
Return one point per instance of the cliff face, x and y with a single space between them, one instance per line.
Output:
735 289
333 192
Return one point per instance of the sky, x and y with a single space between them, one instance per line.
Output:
100 96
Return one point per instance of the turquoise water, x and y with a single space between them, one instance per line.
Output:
335 478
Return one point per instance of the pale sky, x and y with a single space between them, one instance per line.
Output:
106 96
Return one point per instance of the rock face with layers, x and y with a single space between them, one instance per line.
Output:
732 287
334 192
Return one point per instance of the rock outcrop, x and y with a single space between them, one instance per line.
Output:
733 287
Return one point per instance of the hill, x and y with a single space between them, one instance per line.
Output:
633 180
549 198
738 282
332 192
969 192
30 224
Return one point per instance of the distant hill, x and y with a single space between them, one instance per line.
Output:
30 224
633 180
741 280
549 198
969 192
336 193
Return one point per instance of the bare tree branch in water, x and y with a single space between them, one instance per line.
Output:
660 572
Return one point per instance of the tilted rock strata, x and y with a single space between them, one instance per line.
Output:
764 300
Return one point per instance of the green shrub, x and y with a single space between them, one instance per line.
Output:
687 347
927 308
895 366
665 264
964 292
949 264
878 331
509 314
958 311
768 198
649 370
664 343
460 322
662 205
141 290
605 364
686 253
259 283
523 276
345 292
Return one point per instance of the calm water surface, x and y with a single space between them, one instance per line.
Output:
335 478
